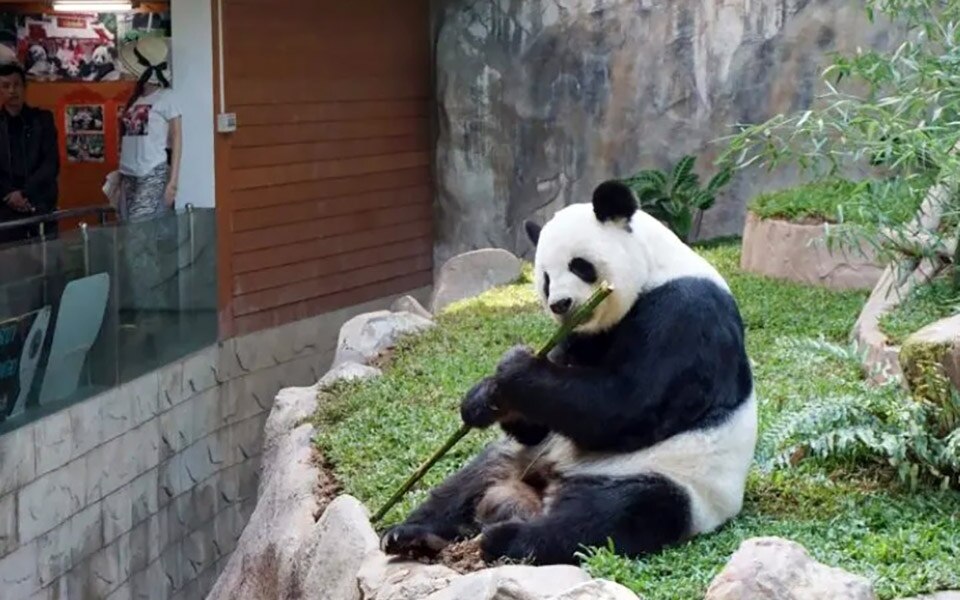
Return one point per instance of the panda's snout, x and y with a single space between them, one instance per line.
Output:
561 307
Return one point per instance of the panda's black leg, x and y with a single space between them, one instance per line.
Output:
449 513
640 515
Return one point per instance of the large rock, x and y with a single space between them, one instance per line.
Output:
334 552
598 589
384 578
540 100
798 252
364 337
778 569
513 583
471 274
930 359
264 566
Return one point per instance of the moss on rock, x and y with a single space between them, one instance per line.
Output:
924 372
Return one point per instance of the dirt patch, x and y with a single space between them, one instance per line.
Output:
327 487
463 557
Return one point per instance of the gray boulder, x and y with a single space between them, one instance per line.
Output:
778 569
471 274
384 578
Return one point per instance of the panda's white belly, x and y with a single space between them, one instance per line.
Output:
711 465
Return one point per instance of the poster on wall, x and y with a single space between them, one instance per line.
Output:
85 139
82 46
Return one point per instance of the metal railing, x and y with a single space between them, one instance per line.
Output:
42 220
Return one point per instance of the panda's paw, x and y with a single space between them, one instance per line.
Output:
412 541
516 361
506 541
478 409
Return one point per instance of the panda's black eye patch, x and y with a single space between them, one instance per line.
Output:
584 269
546 284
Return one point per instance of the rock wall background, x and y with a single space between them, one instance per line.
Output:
539 100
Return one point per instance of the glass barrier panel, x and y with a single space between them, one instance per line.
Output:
99 307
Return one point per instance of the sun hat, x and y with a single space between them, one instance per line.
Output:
146 58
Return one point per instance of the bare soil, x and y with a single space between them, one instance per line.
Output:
463 557
328 487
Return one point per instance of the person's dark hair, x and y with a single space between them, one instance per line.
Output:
8 69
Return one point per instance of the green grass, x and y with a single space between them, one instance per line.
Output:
377 433
840 200
925 305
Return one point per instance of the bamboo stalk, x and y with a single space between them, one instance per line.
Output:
580 316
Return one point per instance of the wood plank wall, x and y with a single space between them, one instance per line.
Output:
324 192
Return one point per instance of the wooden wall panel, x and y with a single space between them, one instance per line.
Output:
325 188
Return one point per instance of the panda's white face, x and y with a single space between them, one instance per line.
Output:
608 240
575 253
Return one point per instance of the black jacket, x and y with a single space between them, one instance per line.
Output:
35 170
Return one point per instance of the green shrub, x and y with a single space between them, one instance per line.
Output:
870 425
840 201
676 197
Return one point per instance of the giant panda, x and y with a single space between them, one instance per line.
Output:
639 429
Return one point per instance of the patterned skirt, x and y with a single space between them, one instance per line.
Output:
149 244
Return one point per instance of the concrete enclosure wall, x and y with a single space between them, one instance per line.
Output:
143 492
538 101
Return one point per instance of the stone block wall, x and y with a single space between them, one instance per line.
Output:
143 492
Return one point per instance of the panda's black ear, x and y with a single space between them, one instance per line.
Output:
613 201
533 231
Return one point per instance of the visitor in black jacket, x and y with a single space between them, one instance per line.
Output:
29 157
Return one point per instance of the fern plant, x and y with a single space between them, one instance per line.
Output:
676 197
918 439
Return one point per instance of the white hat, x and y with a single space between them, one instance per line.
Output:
147 54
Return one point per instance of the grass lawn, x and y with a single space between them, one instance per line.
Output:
837 200
925 305
377 433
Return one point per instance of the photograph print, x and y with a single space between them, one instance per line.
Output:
85 118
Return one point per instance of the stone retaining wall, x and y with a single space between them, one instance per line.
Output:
799 253
143 491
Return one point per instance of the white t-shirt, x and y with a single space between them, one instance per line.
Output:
146 129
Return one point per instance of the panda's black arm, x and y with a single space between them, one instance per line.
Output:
573 401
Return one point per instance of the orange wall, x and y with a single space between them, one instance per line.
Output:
81 184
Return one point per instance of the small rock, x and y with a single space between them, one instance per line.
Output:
598 589
365 336
471 274
513 583
383 578
332 555
778 569
347 371
411 305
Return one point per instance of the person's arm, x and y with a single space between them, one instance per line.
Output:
176 151
43 179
